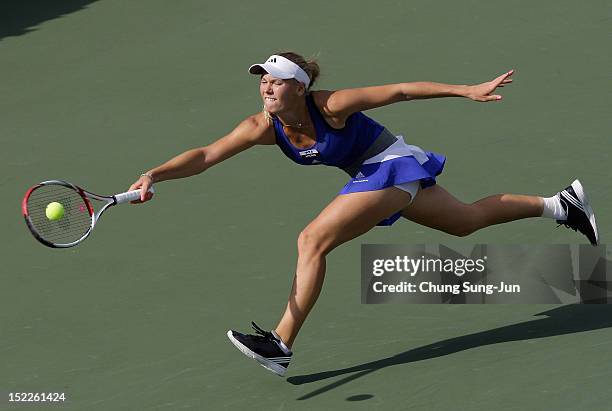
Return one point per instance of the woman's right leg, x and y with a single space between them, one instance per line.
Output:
346 217
436 208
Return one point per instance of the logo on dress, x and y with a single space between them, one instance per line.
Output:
360 178
309 153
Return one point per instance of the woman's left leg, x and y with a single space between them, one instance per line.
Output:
346 217
437 208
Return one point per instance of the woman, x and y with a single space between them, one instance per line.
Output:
389 178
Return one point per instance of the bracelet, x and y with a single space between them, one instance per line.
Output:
147 174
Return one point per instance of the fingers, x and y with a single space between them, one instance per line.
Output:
484 99
143 197
507 74
504 78
135 186
500 81
144 184
144 190
506 81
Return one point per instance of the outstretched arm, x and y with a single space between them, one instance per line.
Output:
342 103
248 133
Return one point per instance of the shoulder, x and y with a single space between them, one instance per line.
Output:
342 103
323 99
257 129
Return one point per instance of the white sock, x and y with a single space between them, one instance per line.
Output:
553 208
281 344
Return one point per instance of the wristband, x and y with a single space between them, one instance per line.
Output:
147 174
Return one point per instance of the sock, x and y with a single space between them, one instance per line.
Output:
553 208
281 344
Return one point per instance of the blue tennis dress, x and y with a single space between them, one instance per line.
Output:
367 151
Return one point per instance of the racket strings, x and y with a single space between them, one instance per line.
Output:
72 226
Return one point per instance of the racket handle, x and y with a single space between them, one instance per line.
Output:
130 196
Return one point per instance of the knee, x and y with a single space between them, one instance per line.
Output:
312 242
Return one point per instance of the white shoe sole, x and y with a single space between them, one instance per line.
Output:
579 190
267 364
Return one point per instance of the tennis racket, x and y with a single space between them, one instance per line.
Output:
76 217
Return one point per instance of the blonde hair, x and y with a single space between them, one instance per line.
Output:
267 115
310 66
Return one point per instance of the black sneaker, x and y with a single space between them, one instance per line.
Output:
265 348
580 215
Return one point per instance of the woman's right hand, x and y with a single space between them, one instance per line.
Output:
143 183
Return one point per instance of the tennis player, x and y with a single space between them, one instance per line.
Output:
389 178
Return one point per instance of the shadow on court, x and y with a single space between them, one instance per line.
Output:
19 17
559 321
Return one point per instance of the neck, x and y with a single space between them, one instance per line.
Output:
297 116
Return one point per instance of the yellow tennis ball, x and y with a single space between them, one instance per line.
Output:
54 211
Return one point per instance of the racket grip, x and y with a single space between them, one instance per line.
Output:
130 196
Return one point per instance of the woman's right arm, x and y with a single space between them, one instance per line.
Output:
252 131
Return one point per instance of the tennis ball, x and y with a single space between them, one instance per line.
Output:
54 211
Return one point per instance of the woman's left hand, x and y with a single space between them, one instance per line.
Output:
482 92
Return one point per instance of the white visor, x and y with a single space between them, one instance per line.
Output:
281 67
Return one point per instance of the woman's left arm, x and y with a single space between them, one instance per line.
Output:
342 103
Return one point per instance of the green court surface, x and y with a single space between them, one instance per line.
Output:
95 92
